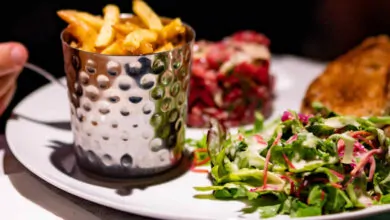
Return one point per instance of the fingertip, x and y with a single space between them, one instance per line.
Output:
19 53
13 56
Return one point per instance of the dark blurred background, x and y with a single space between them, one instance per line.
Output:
318 29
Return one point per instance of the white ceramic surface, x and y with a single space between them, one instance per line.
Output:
38 147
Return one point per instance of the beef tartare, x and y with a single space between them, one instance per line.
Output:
230 80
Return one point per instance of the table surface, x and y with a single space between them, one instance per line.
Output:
18 174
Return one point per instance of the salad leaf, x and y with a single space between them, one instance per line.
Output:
215 138
380 121
252 176
323 111
269 211
317 197
385 199
258 125
337 201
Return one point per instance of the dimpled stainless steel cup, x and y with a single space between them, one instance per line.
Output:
128 113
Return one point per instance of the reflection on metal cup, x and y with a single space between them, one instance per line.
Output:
128 113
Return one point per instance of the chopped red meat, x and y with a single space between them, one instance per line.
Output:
230 80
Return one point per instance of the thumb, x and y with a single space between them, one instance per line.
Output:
12 57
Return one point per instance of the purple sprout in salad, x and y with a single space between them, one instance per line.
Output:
290 115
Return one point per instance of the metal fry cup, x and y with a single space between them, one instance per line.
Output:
128 113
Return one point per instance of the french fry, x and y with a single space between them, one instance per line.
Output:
172 29
125 28
84 33
84 37
165 47
133 39
145 48
73 44
92 20
119 36
135 20
147 15
115 48
107 33
69 16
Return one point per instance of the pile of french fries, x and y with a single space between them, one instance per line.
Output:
143 33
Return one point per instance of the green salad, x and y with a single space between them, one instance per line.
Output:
302 165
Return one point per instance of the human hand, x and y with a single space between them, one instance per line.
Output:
13 56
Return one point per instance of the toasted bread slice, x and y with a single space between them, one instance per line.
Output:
356 83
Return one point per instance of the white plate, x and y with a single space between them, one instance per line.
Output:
44 148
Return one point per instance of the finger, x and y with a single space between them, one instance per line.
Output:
12 57
6 82
6 99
